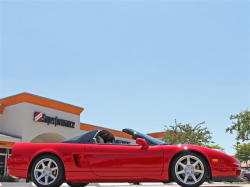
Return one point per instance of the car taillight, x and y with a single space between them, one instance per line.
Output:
238 172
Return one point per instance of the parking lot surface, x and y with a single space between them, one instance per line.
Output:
219 184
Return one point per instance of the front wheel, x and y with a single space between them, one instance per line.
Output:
77 184
189 169
48 171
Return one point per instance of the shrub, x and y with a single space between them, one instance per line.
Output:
6 179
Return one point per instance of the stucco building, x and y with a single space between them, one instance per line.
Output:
30 118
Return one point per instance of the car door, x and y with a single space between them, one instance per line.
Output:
124 160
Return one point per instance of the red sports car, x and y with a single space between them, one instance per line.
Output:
95 157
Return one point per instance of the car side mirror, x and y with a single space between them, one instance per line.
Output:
142 142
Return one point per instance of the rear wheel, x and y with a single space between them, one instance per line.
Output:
189 169
77 184
47 170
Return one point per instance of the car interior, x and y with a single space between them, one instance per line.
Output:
104 136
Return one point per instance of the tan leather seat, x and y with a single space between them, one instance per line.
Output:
99 139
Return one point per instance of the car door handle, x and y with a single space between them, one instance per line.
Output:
90 147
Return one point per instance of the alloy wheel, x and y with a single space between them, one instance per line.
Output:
189 169
46 171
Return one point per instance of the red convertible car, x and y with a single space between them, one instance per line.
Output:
95 157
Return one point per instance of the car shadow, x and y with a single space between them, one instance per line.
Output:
226 185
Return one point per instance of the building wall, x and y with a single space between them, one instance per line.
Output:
18 120
31 129
17 123
125 139
12 120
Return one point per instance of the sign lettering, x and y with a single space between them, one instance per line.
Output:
40 117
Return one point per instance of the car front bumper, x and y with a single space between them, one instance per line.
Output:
230 179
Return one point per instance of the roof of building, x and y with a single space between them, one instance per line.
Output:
157 134
5 136
38 100
8 139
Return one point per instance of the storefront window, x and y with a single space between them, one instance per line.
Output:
2 165
3 150
10 151
4 155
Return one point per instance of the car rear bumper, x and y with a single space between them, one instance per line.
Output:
18 173
14 171
10 163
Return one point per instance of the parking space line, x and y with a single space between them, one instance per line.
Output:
151 184
64 184
114 184
100 184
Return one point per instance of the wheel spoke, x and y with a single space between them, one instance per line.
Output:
195 180
53 169
197 162
39 170
186 177
52 176
43 164
49 164
180 172
181 164
41 176
46 179
198 171
188 160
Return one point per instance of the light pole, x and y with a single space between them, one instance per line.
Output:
200 142
237 145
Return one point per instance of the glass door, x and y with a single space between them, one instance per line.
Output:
2 165
7 156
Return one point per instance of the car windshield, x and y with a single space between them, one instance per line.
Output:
75 139
150 138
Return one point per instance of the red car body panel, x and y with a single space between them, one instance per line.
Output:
128 161
116 163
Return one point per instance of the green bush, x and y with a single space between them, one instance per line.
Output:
7 179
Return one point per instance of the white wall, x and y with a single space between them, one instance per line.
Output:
12 120
18 120
31 129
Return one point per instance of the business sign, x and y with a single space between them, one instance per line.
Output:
6 144
40 117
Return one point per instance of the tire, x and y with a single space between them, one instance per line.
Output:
77 184
245 179
189 169
47 170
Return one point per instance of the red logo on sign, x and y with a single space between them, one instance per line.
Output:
38 116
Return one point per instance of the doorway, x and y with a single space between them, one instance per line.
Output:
2 165
5 153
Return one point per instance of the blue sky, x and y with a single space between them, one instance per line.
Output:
139 64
